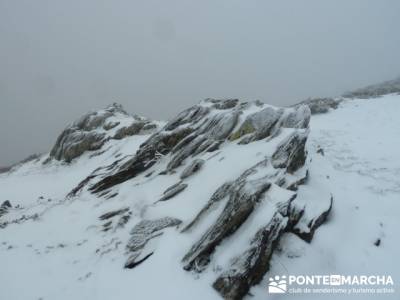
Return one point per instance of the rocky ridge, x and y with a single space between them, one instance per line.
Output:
248 158
94 129
182 146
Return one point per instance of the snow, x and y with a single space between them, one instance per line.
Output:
361 170
66 255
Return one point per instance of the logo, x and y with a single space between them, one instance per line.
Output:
333 283
277 285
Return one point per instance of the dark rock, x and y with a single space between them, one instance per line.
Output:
132 129
377 242
143 232
306 232
249 268
147 155
173 191
291 153
225 104
242 199
192 168
202 128
93 130
113 213
5 206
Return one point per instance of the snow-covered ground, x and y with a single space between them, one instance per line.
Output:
361 168
64 254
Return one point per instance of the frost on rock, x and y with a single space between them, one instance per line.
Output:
5 206
173 191
200 129
94 129
307 219
291 153
113 213
241 203
192 168
143 232
284 169
243 194
259 125
248 268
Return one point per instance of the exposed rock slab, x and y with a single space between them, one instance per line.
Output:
192 168
249 268
93 130
140 235
200 129
173 191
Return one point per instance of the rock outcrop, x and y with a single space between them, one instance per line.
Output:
182 149
192 168
249 268
5 206
204 128
94 129
173 191
143 232
320 105
244 194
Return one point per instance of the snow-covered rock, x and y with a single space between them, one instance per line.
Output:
94 129
250 195
321 105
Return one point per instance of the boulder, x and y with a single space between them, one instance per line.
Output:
173 191
5 206
192 168
93 130
249 268
205 127
140 235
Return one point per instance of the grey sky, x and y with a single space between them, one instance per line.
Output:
59 59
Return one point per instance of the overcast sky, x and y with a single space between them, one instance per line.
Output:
59 59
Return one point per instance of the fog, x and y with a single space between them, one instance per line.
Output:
59 59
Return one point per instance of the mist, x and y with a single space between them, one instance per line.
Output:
59 59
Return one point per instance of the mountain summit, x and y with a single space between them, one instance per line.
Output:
208 205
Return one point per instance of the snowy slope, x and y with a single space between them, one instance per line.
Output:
66 252
361 168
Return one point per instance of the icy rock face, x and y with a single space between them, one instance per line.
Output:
204 128
243 196
5 206
304 226
194 167
266 181
249 268
173 190
291 153
143 232
94 129
181 150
